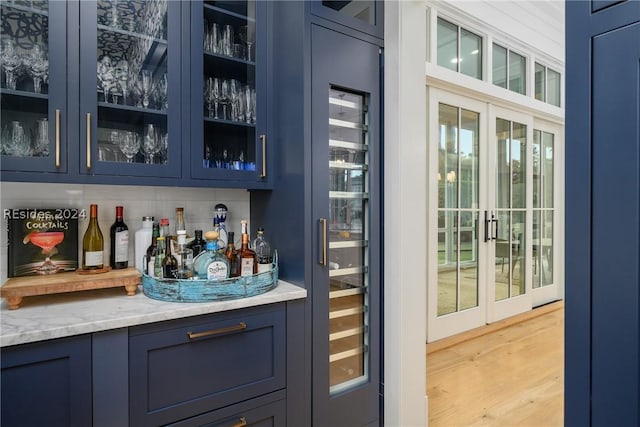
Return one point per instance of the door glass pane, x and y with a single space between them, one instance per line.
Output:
363 10
548 176
499 66
468 260
24 66
348 239
519 165
537 169
448 281
546 249
469 158
447 45
132 81
503 164
470 54
448 157
229 97
503 255
518 245
517 72
536 249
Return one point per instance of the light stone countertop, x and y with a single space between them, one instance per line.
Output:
60 315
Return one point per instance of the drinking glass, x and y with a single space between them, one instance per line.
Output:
164 146
227 40
162 88
38 67
11 63
225 97
150 144
129 143
15 140
209 97
121 74
234 94
41 143
106 77
214 44
146 87
245 37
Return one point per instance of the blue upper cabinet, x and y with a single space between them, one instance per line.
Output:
228 92
33 87
130 88
147 92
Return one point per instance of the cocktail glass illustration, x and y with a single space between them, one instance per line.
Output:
47 241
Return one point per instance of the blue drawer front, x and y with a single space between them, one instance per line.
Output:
227 360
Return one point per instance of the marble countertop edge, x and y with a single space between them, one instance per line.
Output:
57 316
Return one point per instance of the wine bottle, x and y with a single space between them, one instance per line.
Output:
248 259
150 257
159 258
232 255
169 263
93 243
119 234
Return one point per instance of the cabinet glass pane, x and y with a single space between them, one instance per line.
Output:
229 85
132 81
348 239
24 68
363 10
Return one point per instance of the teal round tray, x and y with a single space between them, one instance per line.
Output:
182 290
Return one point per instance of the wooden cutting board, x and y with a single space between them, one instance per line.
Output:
16 288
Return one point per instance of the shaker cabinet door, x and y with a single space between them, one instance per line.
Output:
33 87
130 88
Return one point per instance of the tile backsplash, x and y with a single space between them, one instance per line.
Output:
138 201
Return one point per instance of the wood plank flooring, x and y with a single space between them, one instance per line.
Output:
510 373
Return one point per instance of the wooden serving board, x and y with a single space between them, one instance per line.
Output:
16 288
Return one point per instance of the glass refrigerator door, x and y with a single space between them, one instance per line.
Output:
348 240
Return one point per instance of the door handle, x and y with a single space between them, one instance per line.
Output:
263 139
495 230
57 138
322 223
88 140
487 237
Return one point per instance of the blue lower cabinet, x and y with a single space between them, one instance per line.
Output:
47 383
184 368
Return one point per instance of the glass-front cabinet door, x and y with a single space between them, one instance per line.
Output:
227 114
33 85
130 88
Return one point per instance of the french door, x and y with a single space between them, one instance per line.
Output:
492 243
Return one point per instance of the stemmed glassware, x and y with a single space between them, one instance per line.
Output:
15 140
129 143
146 87
162 88
245 37
106 77
121 74
234 95
38 67
225 97
11 63
150 143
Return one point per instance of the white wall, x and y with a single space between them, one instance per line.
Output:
138 201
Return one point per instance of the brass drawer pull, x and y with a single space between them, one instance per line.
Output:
241 423
88 140
239 327
57 138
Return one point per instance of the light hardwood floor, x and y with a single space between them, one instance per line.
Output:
510 373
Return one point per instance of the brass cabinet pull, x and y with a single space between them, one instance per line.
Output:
88 140
57 138
239 327
241 423
323 241
263 139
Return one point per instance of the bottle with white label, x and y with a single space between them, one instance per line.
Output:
93 243
119 234
263 251
248 259
210 264
142 240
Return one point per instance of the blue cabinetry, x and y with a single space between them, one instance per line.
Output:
324 212
47 383
124 96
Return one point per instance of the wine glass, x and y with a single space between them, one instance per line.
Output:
41 143
225 97
146 87
11 62
38 66
162 88
121 75
164 146
234 94
129 143
47 241
15 141
150 144
106 77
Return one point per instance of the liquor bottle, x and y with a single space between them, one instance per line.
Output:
164 227
159 258
216 227
248 259
150 256
180 220
93 243
263 251
198 244
119 235
210 264
232 255
169 263
221 212
184 257
142 240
